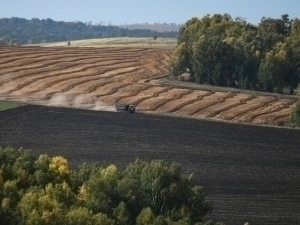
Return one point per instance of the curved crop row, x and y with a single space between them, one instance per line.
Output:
82 77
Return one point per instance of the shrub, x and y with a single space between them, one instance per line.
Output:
295 115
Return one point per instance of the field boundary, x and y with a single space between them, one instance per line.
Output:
170 81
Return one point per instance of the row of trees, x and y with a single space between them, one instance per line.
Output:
222 51
21 31
44 190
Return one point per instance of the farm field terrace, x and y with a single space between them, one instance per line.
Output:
94 77
251 174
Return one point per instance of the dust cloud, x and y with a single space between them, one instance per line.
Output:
100 106
58 99
81 101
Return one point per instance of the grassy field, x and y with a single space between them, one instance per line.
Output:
160 43
8 105
251 174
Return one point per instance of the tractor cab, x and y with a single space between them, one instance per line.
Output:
125 107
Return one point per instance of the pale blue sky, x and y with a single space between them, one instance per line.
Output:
140 11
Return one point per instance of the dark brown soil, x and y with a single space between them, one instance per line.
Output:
251 174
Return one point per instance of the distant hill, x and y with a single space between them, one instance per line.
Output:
14 31
154 27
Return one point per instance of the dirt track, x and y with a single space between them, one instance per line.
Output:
97 77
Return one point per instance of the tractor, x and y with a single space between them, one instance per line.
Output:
125 107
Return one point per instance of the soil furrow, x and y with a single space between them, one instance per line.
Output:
262 104
268 108
203 102
126 92
177 104
46 61
229 103
44 79
281 115
148 93
245 107
67 79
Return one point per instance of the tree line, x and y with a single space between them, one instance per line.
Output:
221 51
44 190
21 31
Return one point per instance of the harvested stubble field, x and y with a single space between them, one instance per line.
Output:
250 173
160 43
96 77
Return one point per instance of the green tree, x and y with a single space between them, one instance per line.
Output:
130 191
146 217
121 214
59 166
100 189
82 216
9 196
102 219
225 52
295 114
42 175
61 193
79 216
280 67
293 51
160 220
81 174
273 69
162 187
180 60
213 61
153 192
37 207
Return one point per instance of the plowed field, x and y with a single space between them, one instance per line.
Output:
97 78
250 173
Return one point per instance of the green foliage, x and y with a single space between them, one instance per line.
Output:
121 214
38 207
161 186
8 105
59 166
146 217
160 220
82 216
81 174
44 190
180 60
273 69
295 115
225 52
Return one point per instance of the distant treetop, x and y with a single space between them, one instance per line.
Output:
15 31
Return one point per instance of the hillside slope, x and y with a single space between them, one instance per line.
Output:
93 78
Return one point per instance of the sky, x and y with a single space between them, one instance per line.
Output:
120 12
